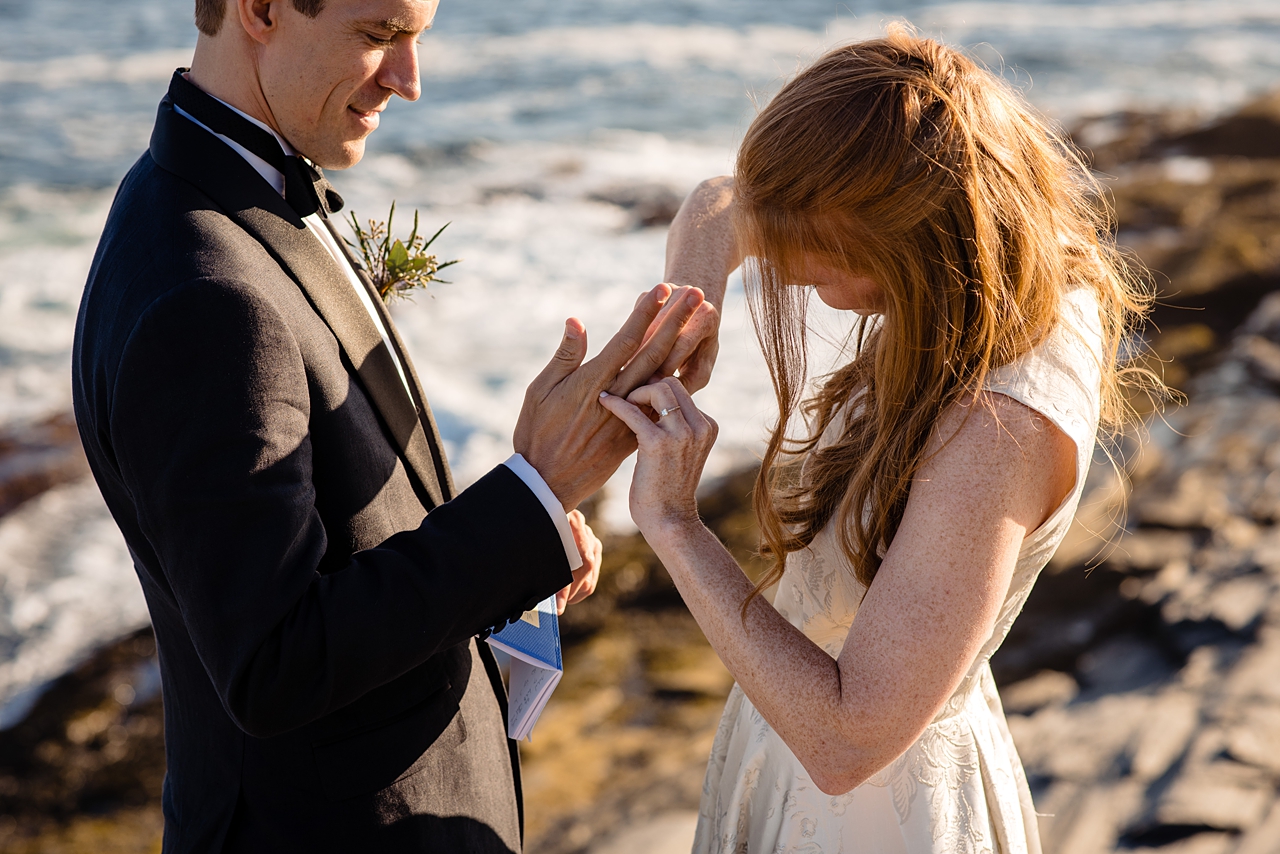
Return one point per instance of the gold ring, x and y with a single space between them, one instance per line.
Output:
664 412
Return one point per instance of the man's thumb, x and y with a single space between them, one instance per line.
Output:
573 349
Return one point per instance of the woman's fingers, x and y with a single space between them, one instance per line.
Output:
629 414
671 396
696 418
677 415
657 396
672 451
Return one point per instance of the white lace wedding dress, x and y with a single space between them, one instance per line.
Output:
960 788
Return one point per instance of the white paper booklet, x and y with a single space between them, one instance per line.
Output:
533 642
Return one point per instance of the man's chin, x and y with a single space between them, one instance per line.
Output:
343 156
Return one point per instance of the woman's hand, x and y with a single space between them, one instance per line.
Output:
673 450
586 576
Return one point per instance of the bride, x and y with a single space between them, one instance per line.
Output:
941 465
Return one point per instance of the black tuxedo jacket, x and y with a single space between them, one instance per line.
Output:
314 583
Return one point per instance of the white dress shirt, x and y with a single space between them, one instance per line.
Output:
516 463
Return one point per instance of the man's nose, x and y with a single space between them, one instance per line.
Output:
399 71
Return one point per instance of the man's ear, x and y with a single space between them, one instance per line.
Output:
259 18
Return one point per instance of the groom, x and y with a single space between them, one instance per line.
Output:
315 581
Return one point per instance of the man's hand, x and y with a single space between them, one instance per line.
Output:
702 252
563 432
694 353
585 576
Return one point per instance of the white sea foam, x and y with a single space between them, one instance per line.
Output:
37 321
745 50
67 584
742 49
69 71
1177 52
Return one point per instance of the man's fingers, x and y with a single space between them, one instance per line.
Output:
628 339
585 589
655 351
661 316
696 372
573 348
582 534
701 326
585 576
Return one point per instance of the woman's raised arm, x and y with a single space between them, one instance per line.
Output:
1000 474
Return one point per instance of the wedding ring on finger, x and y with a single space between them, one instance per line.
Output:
662 413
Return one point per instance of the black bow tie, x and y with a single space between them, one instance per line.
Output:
305 187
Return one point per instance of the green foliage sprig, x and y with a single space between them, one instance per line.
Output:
396 266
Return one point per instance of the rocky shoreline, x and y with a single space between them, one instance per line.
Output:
1142 681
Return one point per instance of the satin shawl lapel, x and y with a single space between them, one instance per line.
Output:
419 395
187 150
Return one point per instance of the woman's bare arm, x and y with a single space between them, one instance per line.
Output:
932 605
701 252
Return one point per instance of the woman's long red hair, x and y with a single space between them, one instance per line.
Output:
901 160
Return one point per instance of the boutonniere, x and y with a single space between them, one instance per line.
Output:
396 266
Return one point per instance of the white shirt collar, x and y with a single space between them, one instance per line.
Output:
270 174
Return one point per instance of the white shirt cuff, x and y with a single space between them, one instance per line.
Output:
529 475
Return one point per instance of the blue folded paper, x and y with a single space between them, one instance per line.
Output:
533 642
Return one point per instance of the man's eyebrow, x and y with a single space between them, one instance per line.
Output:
396 25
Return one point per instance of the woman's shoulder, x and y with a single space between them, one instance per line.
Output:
1061 377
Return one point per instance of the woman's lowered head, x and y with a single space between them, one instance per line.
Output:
903 180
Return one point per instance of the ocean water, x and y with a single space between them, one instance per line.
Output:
531 113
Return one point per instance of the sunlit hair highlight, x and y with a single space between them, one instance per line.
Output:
901 160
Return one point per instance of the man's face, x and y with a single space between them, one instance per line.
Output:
327 79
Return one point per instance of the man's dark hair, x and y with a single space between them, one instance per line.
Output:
209 13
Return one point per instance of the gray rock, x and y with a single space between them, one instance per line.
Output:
1196 498
1257 674
669 833
1170 579
1189 601
1151 549
649 204
1237 602
1266 552
1236 532
1201 669
1223 795
1256 738
1095 824
1057 805
1262 356
1083 742
1265 838
1201 843
1169 726
1048 687
1123 663
1265 319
